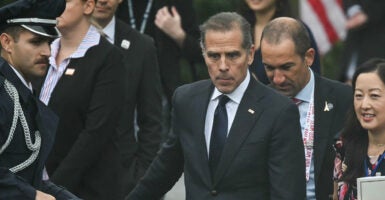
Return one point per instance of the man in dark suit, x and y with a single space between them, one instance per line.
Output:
241 147
177 40
323 103
144 93
27 126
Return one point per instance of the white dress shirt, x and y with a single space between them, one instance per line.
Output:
231 108
109 30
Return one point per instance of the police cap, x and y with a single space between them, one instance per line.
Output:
37 16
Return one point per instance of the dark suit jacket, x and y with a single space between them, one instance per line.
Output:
169 53
144 95
263 157
23 184
85 158
327 124
369 40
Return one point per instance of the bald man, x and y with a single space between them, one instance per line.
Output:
287 56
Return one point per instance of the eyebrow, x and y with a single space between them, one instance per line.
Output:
288 64
370 90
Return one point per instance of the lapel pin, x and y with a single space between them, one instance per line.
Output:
125 44
69 71
251 111
328 106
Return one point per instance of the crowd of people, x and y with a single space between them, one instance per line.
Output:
83 85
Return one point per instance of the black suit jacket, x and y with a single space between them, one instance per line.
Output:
169 53
144 95
85 158
263 157
23 184
327 125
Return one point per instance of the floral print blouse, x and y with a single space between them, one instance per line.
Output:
345 190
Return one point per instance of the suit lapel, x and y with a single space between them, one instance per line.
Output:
200 104
323 117
121 34
247 114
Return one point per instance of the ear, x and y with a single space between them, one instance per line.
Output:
6 42
89 7
309 57
250 59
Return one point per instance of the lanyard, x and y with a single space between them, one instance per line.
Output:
375 169
145 15
308 136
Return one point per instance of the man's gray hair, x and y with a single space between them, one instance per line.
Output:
227 21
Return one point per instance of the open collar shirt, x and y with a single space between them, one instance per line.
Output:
55 72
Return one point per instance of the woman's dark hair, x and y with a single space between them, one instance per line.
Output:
354 136
282 10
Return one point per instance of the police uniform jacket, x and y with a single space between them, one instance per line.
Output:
22 184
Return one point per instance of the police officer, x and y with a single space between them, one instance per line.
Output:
27 127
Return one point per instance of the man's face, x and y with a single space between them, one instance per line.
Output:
287 71
28 54
105 10
226 60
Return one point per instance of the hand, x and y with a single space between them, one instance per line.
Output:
171 24
356 20
43 196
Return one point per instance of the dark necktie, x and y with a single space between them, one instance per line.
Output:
218 133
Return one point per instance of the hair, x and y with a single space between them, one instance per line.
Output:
14 32
227 21
282 9
354 136
283 28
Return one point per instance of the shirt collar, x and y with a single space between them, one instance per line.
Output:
109 30
237 94
91 39
55 46
27 84
307 91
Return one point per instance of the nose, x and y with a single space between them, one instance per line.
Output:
278 77
365 103
46 50
223 66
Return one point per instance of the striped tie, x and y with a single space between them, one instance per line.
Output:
296 101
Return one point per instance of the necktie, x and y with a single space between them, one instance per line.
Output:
218 133
296 101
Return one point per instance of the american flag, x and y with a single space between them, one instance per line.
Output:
326 20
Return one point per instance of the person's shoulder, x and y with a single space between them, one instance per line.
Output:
127 30
195 86
267 97
336 85
270 92
106 47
